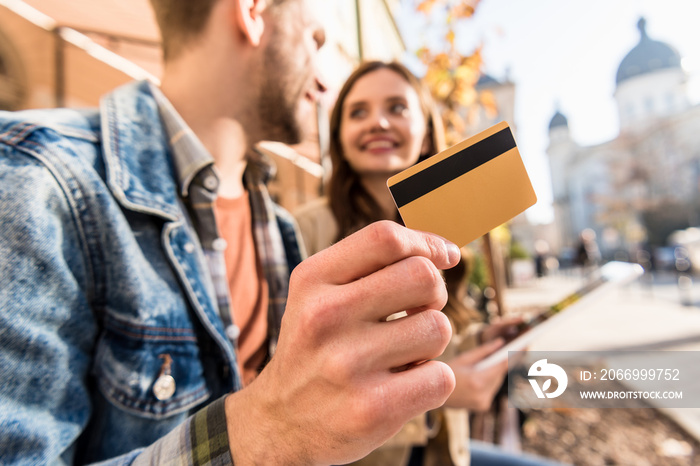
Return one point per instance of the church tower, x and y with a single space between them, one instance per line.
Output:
650 83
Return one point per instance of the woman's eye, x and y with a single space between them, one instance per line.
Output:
398 108
358 113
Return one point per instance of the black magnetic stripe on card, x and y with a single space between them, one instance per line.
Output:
454 166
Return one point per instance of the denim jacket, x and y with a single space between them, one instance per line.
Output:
101 277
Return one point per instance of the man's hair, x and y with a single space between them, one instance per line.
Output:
181 21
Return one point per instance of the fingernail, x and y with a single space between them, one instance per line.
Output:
453 252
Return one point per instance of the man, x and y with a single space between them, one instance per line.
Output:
118 326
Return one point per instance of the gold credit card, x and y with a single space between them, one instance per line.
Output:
467 190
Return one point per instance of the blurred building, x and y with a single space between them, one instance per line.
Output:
497 103
645 183
56 53
497 97
69 53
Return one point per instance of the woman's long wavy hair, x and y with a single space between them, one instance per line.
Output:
352 206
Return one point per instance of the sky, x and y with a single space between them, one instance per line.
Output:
563 55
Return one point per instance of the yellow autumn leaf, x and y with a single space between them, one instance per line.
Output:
501 234
443 89
467 73
466 96
474 60
488 102
442 60
426 6
462 10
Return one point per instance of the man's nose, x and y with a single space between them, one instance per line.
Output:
320 79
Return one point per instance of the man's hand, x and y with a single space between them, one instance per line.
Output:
476 388
337 386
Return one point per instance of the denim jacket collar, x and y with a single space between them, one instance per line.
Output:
127 114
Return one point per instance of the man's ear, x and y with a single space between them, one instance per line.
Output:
248 18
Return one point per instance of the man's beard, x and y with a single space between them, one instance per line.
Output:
278 103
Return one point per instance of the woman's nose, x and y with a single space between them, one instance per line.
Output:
379 121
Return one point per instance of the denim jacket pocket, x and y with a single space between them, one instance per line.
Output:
134 364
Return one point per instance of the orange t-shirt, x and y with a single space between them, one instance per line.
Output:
249 293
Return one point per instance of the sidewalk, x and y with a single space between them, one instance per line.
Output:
642 316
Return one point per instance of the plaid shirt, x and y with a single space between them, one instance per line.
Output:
201 440
204 440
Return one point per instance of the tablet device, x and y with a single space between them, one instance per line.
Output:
599 283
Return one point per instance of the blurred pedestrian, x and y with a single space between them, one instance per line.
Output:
541 257
587 252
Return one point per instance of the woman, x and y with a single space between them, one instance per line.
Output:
363 158
383 122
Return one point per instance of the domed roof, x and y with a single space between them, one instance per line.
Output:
558 120
486 80
647 56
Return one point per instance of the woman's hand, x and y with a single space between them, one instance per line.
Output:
475 389
507 328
